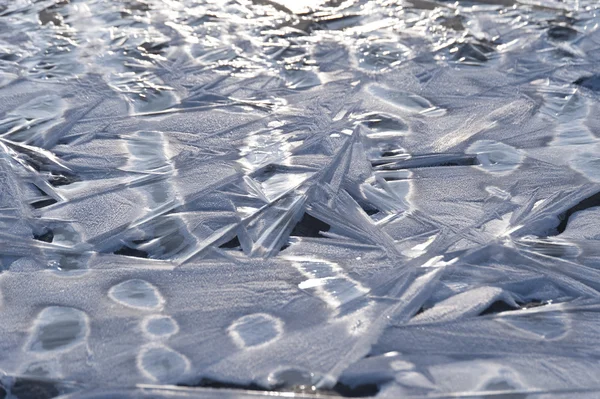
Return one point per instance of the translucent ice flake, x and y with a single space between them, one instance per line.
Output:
330 283
495 157
546 325
405 101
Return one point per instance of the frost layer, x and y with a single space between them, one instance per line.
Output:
397 199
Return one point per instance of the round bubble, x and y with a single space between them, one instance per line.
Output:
255 330
58 328
137 294
160 326
162 364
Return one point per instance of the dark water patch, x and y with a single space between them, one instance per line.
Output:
292 381
532 304
137 5
391 152
586 203
454 22
473 53
44 203
62 179
29 388
10 57
505 3
309 226
269 171
589 82
231 244
212 383
428 161
277 6
422 309
370 210
424 4
497 307
562 33
128 251
356 391
336 21
46 236
47 16
153 48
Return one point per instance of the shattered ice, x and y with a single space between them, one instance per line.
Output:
388 198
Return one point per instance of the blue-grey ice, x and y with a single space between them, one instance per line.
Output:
268 198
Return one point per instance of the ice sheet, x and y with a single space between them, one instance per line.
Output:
247 198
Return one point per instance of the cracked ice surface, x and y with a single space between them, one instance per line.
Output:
357 198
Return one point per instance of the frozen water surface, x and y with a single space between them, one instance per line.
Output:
247 198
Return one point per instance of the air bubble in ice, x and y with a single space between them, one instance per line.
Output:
255 330
160 326
58 328
162 364
137 294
